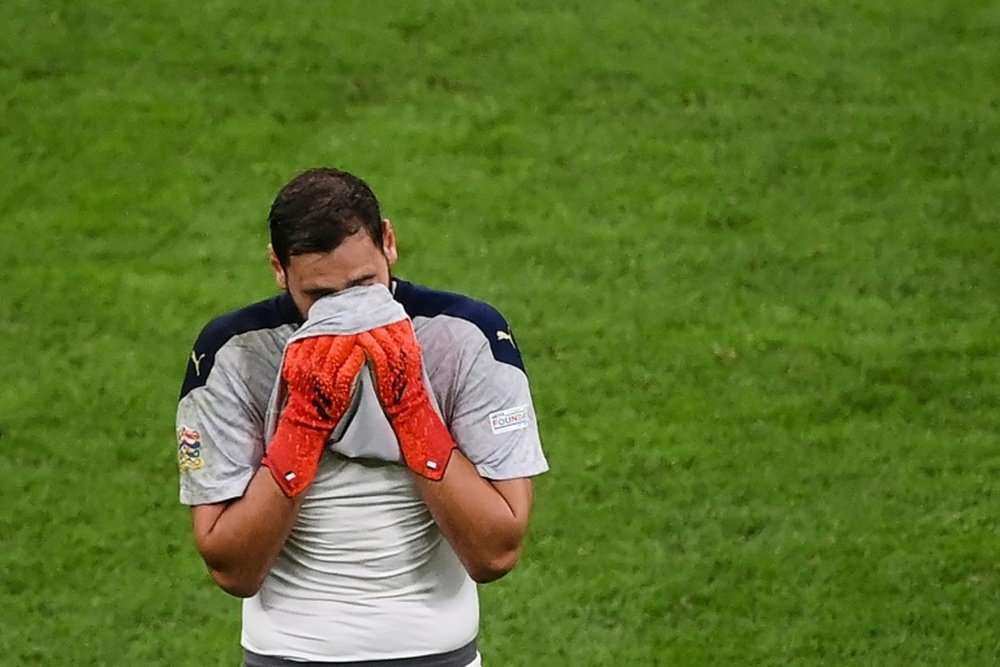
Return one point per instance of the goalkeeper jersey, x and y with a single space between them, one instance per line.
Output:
365 574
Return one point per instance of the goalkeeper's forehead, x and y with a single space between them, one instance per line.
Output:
355 258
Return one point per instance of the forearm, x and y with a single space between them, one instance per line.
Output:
240 541
483 521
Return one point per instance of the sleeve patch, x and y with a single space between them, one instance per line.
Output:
513 419
189 450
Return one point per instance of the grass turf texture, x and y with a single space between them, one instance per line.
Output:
750 252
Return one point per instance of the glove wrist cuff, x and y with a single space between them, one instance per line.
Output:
293 456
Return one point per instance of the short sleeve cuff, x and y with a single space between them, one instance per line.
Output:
234 487
504 472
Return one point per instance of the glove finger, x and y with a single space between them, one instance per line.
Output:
382 366
335 389
410 355
319 348
399 336
372 349
391 335
338 352
301 356
352 365
295 364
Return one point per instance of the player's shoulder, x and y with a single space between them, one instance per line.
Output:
267 314
488 323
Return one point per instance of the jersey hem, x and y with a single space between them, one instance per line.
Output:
465 652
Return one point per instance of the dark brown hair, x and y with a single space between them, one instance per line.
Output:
320 208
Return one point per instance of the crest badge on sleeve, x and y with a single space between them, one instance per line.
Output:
189 450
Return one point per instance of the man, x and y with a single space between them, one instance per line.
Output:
352 560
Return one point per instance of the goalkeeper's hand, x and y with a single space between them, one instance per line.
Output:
424 440
320 375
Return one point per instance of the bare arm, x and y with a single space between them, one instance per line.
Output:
484 521
239 540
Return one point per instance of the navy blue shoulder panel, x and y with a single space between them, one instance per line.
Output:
420 301
267 314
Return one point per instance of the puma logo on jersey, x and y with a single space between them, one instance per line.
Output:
197 363
504 335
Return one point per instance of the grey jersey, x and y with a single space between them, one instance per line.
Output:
475 370
342 567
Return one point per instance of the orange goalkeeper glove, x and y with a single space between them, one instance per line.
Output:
424 440
319 373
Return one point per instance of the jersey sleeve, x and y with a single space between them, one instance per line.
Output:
492 415
219 426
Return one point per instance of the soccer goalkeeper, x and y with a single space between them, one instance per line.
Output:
356 505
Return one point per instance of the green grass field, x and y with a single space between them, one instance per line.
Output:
751 252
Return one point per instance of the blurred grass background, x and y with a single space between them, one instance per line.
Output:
751 253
